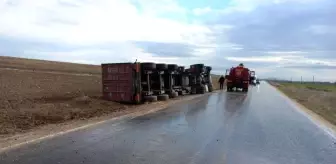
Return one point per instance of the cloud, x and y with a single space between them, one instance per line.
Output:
89 22
288 35
167 49
140 29
283 27
281 60
160 7
273 37
202 11
333 67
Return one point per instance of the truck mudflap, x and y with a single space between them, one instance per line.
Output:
237 84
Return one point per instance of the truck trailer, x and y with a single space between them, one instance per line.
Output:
139 82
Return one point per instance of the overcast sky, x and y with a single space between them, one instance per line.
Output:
277 38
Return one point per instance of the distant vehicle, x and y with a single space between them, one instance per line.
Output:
238 78
253 78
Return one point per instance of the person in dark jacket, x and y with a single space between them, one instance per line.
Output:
221 82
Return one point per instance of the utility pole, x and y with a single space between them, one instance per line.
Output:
301 79
313 79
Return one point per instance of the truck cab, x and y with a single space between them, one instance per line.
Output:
253 78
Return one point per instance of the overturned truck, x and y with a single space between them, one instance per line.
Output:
140 82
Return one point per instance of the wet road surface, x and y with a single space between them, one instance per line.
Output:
219 128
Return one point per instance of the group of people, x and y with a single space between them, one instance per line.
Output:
222 78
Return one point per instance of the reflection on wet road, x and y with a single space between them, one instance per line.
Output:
231 128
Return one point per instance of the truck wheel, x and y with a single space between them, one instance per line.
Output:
181 69
161 66
193 91
199 68
245 89
163 97
201 89
172 67
208 68
151 98
181 93
173 95
148 66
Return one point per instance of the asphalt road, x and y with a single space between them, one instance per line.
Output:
220 128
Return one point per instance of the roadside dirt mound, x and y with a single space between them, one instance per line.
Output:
33 98
51 111
43 65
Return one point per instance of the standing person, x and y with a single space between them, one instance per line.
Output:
221 82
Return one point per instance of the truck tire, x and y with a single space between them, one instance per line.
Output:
151 98
173 95
245 89
208 68
172 67
163 97
181 69
148 66
193 90
201 89
198 68
181 93
161 66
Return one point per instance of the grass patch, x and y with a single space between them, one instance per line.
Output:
319 98
312 86
215 83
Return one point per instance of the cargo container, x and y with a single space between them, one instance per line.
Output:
121 82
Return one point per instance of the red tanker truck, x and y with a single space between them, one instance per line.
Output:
238 78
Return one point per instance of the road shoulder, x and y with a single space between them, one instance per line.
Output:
314 117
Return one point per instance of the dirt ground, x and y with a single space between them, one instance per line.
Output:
319 98
43 65
36 93
215 83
